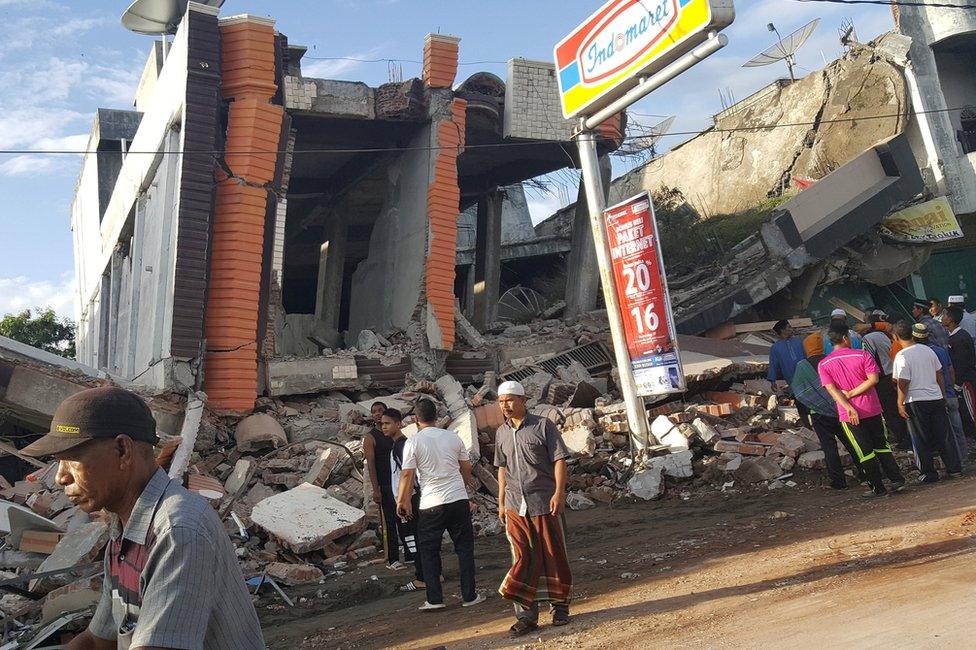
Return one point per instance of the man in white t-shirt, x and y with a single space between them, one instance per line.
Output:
921 399
439 460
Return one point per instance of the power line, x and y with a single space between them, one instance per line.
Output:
898 3
494 145
388 60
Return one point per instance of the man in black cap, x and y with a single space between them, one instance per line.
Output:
171 575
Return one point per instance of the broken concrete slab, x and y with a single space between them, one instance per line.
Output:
812 460
755 470
487 478
647 483
580 440
466 427
706 432
72 597
294 574
323 467
79 547
259 431
790 445
238 476
578 501
15 519
307 518
676 465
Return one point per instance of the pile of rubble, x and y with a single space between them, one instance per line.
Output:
290 483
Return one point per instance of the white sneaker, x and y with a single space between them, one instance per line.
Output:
480 598
428 607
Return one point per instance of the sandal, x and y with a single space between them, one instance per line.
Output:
396 566
560 618
521 628
412 586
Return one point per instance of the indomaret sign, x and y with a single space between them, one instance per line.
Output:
642 291
626 39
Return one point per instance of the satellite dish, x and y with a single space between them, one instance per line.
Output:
642 139
785 49
154 17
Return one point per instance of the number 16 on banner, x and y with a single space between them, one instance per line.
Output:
638 273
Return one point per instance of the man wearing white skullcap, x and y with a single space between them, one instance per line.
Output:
968 320
839 316
531 461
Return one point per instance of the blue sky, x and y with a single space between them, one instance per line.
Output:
60 60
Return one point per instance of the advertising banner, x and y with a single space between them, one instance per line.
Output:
932 221
642 290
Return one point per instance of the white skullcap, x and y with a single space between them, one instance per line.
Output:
957 300
838 313
511 388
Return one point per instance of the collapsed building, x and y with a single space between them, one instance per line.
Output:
244 215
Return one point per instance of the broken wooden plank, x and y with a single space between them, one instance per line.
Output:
850 309
767 325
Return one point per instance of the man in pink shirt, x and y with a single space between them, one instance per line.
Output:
850 376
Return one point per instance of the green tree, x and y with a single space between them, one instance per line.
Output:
43 330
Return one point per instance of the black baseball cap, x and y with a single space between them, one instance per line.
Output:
103 412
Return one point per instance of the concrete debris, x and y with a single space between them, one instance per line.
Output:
80 547
578 501
294 574
647 483
259 431
307 518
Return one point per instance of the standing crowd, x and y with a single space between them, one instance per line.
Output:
420 486
907 384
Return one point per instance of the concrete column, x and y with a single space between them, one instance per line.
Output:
332 261
583 275
469 293
487 258
112 363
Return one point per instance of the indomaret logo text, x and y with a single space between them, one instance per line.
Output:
624 36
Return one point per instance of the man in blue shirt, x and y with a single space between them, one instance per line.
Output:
783 357
840 316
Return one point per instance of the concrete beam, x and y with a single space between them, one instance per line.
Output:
31 396
332 261
305 376
583 275
521 250
487 258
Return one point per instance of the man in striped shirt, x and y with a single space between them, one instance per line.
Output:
171 575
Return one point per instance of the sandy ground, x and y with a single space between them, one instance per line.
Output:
803 567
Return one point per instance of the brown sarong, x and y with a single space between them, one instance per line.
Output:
540 569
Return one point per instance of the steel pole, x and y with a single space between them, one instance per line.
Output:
636 413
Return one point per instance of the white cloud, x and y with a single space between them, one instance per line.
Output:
542 205
20 293
26 165
335 68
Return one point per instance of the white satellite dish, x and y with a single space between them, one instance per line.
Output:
642 138
154 17
785 49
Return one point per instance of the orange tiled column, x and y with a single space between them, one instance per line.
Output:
443 210
440 60
240 210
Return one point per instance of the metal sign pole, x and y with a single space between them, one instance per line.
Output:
636 414
586 142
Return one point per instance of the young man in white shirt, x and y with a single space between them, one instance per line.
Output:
921 399
439 460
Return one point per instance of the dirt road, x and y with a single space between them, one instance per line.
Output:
796 568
